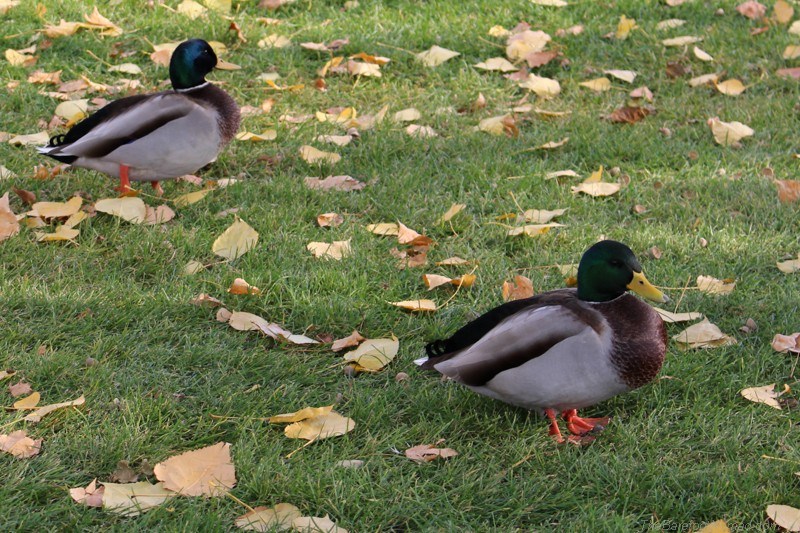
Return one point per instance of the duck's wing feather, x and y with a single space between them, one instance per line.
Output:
119 123
511 335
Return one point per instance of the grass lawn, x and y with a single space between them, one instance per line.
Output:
681 452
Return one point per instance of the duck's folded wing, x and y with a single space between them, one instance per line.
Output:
525 335
119 123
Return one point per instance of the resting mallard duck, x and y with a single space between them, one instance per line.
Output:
152 137
564 349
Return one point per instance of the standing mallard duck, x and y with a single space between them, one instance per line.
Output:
152 137
564 349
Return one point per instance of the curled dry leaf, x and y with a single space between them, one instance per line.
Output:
500 64
499 125
415 130
642 92
205 299
407 115
335 250
520 45
62 233
786 343
57 209
453 261
336 183
428 452
597 85
302 414
452 211
266 135
702 55
628 114
670 317
704 334
752 10
240 286
541 216
33 139
787 267
9 226
766 395
320 427
191 197
542 87
436 55
235 241
601 188
784 516
28 402
788 190
624 27
277 518
20 445
539 59
315 156
391 229
193 267
712 285
329 220
705 79
20 388
36 416
354 339
129 208
732 87
417 306
728 133
624 75
521 287
406 235
533 230
208 471
681 41
552 145
316 524
133 499
90 496
373 354
159 215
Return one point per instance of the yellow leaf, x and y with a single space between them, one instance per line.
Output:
787 267
417 306
520 45
624 75
130 208
302 414
40 412
562 174
701 54
451 212
240 286
193 267
542 87
72 110
500 64
98 21
133 499
552 145
597 189
670 24
222 6
274 41
6 5
313 156
533 230
495 125
704 334
597 84
732 87
625 27
415 130
63 29
435 280
782 12
316 524
278 518
791 52
498 31
436 55
336 250
681 41
58 209
373 354
728 133
338 140
9 226
553 3
266 135
31 139
191 9
384 228
766 395
208 471
62 233
235 241
241 321
191 197
521 287
28 402
17 59
329 220
354 339
670 317
407 115
712 285
715 527
542 216
785 516
320 427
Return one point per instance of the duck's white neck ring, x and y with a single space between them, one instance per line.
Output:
188 89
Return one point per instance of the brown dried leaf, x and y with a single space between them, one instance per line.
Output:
40 412
20 388
240 286
786 343
329 220
712 285
20 445
277 518
628 114
9 226
320 427
208 471
428 452
90 496
521 287
788 190
205 299
337 183
704 334
354 339
752 10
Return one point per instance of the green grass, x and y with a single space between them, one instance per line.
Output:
684 450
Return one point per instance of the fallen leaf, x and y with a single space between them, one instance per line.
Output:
542 87
704 334
407 115
314 156
427 452
266 135
240 286
532 230
670 24
766 395
5 374
235 241
337 183
500 64
705 79
712 285
670 317
57 209
17 58
130 208
335 250
681 41
9 226
553 3
752 10
302 414
784 516
521 44
406 235
40 412
124 473
191 197
316 524
90 496
732 87
782 12
354 339
601 188
62 233
624 75
329 220
552 145
205 299
191 9
28 402
320 427
208 471
787 267
728 133
628 114
417 306
539 59
453 261
193 267
133 499
97 21
391 229
499 125
20 445
642 92
436 55
701 54
521 287
452 211
624 27
274 41
786 343
277 518
338 140
20 388
561 174
788 190
373 354
415 130
159 215
241 321
597 84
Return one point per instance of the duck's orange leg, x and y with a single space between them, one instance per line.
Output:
124 181
157 188
554 431
582 426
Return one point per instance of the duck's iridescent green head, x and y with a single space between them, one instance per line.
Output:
190 63
608 269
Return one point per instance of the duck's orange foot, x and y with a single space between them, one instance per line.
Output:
584 426
157 188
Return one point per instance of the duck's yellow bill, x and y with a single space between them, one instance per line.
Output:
645 289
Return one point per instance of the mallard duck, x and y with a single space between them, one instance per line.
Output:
564 349
152 137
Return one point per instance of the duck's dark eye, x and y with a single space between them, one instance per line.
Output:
616 263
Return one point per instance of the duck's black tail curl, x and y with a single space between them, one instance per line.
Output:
56 140
436 348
